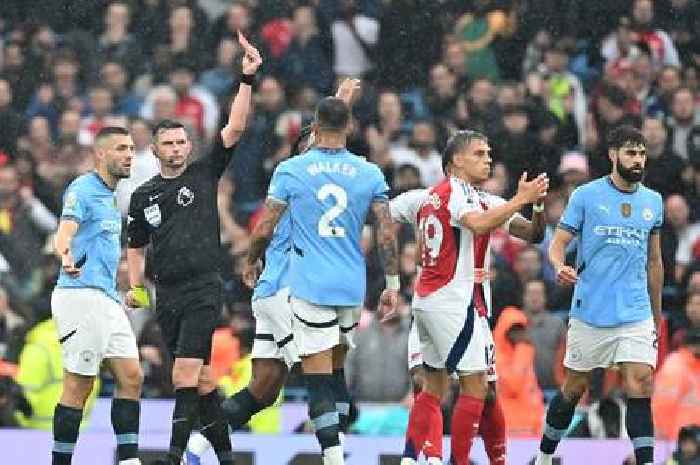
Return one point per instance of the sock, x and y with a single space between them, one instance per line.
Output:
465 423
66 423
239 408
342 398
322 410
492 429
559 415
424 431
640 428
184 417
125 422
214 426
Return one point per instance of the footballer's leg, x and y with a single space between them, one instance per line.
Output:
492 427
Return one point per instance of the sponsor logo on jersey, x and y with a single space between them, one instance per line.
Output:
185 196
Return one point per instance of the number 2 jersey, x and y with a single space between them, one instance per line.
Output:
451 254
328 193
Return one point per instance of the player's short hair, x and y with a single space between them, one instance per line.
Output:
332 114
165 125
108 131
457 142
623 135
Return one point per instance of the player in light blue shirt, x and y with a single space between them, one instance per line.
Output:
328 192
618 276
91 321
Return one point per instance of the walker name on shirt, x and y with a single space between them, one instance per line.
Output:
337 167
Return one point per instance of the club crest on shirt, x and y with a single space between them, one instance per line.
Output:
185 196
626 209
435 200
647 214
152 214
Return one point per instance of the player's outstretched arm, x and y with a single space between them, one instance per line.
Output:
655 276
389 251
64 237
530 231
262 234
566 275
493 218
240 107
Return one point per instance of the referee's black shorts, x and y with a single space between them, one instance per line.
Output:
188 313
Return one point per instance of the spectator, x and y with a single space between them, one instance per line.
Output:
482 112
376 368
305 61
663 52
24 225
160 104
195 105
219 79
144 165
518 391
387 130
687 234
23 81
421 153
354 37
441 96
692 317
116 44
115 78
677 388
12 329
10 120
99 109
547 333
515 146
667 82
183 42
684 119
664 168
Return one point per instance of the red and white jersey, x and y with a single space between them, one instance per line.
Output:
454 259
404 208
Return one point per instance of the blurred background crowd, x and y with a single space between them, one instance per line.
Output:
544 79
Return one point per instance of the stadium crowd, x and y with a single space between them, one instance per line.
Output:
545 80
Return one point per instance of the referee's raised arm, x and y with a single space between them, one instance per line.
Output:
240 107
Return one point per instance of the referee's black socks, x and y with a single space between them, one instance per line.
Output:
342 398
640 428
184 417
125 421
214 426
240 407
559 415
322 410
66 423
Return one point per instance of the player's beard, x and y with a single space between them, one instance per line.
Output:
627 174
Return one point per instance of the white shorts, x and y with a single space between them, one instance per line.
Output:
91 327
319 327
589 347
458 342
415 357
273 329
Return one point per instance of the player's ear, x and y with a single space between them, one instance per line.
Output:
612 155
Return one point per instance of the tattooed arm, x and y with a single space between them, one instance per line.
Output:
389 252
262 234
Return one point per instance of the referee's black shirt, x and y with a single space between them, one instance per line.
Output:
179 217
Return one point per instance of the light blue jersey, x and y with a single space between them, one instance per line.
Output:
275 276
613 228
328 193
91 203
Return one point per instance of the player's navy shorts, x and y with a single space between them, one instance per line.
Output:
188 313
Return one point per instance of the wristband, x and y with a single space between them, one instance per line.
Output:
141 296
393 282
248 79
538 208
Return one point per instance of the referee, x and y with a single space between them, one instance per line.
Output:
176 212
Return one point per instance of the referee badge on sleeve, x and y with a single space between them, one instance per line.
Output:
152 214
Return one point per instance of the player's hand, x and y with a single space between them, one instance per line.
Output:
251 273
347 90
388 304
251 56
566 275
533 191
68 265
